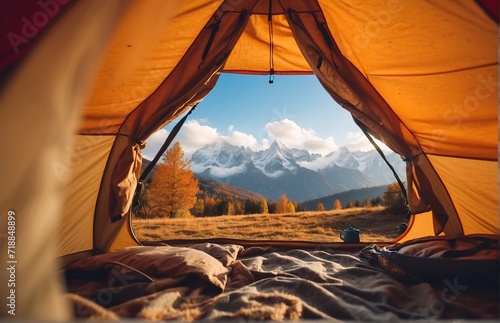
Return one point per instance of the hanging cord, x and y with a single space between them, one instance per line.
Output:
213 32
132 269
160 152
381 153
326 36
271 43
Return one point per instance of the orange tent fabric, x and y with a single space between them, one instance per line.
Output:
420 76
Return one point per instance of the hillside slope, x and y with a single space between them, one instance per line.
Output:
358 194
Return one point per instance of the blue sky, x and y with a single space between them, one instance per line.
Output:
247 110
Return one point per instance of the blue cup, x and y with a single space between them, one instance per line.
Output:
350 235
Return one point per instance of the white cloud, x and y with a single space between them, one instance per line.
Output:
194 135
319 163
358 141
242 139
265 144
197 168
226 172
294 136
154 143
273 175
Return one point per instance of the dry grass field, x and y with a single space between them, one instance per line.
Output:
375 224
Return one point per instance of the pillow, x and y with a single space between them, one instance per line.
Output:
468 259
160 262
226 254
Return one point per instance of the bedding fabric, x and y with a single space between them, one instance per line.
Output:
233 282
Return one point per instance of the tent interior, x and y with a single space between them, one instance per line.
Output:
84 84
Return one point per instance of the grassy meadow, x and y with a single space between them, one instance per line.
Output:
376 224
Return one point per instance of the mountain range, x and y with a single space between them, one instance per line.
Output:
295 172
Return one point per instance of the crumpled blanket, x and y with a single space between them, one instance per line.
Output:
212 282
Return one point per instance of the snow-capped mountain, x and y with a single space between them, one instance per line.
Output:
367 162
295 172
344 158
222 154
275 160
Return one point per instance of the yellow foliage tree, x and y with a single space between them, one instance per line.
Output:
394 199
337 205
282 205
264 209
238 208
230 208
209 206
199 207
320 207
174 187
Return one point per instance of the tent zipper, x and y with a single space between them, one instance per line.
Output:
271 43
215 29
381 153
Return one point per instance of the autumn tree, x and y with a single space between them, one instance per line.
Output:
290 207
199 207
394 199
143 210
282 205
264 209
320 207
349 205
298 207
230 208
367 203
173 187
337 205
209 206
238 208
